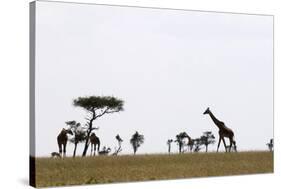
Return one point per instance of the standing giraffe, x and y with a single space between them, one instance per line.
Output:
223 131
62 140
95 141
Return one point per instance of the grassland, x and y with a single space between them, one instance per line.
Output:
108 169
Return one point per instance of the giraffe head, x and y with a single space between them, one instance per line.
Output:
93 134
68 131
207 111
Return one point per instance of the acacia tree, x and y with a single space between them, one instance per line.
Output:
136 140
180 140
78 132
197 144
169 142
207 138
96 107
119 149
270 145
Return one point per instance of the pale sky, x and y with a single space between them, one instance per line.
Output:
167 65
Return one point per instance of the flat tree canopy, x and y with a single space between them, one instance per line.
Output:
93 103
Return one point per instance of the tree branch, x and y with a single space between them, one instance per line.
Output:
106 111
95 128
109 112
101 114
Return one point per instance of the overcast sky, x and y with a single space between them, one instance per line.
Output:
167 65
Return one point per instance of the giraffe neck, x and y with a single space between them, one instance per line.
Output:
63 134
215 120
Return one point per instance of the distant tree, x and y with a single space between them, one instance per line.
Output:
105 151
270 145
169 142
207 138
79 134
97 106
189 144
197 144
180 140
119 149
136 140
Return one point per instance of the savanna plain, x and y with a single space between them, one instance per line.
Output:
128 168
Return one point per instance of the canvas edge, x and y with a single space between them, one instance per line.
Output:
152 7
32 26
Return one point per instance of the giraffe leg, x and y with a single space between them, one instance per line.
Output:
60 149
235 147
91 149
224 144
219 144
64 150
94 149
231 142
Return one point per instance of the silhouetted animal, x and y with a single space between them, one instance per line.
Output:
55 155
62 140
95 141
223 131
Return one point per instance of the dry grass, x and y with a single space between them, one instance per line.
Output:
108 169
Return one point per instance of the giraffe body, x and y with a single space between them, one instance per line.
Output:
95 142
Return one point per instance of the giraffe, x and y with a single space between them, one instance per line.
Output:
62 140
223 131
95 141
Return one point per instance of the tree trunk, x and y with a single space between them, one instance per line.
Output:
88 135
206 148
74 152
135 150
169 150
86 144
